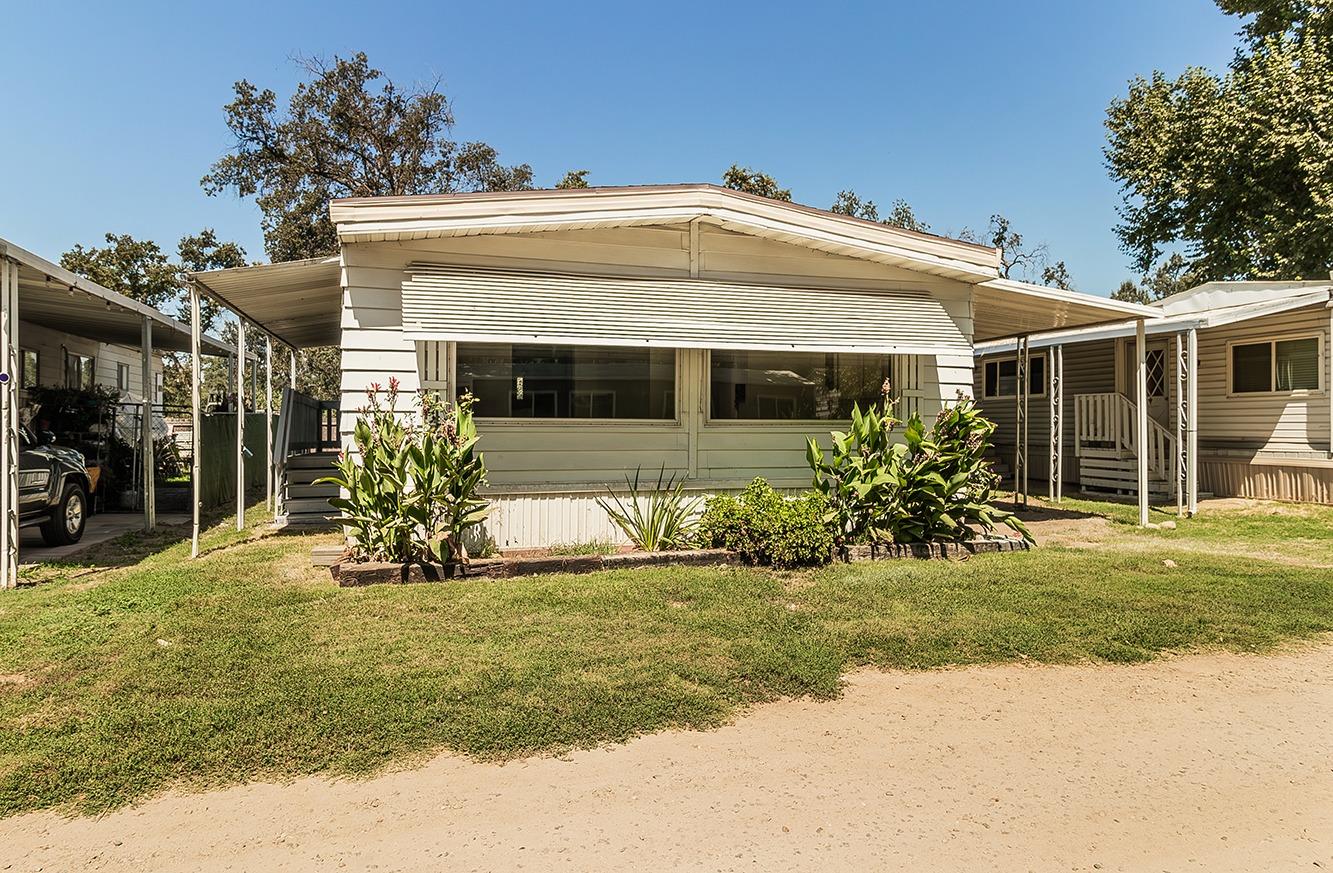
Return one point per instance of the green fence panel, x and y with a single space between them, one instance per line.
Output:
217 459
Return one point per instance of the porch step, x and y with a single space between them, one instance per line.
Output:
305 503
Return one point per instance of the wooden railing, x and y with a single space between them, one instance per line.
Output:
305 424
1106 422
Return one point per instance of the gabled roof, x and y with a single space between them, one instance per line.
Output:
300 302
56 298
428 216
1211 296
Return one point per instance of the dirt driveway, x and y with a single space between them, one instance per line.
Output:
1212 762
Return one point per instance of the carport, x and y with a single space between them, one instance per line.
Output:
38 292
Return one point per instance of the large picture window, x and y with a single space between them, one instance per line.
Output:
1001 377
797 386
546 381
1275 366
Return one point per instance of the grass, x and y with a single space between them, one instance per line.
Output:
591 547
247 663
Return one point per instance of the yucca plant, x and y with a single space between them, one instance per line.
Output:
656 519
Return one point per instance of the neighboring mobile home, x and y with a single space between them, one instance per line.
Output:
689 327
1263 418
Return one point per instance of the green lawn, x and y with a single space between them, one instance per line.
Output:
157 672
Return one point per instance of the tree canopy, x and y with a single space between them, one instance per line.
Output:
900 212
1233 172
754 182
348 131
139 269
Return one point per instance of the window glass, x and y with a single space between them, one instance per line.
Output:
1252 368
1002 377
80 371
545 381
1298 364
28 373
793 385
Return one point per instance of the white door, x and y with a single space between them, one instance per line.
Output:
1159 402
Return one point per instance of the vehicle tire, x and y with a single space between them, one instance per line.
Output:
65 527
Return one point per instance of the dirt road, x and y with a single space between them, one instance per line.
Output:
1211 762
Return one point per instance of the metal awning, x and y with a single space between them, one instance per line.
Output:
474 304
1169 324
1005 308
55 298
299 302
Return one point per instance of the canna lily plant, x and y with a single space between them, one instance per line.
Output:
410 489
929 487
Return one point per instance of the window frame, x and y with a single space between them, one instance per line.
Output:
1271 340
92 367
23 369
122 367
799 423
997 360
529 422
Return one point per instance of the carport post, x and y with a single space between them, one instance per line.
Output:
1022 360
1141 417
268 422
146 425
291 363
196 441
1192 430
1055 364
240 424
9 403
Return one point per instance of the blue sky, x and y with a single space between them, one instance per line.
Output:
113 111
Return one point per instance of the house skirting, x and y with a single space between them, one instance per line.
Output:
539 516
1305 480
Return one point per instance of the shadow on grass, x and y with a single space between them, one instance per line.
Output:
132 548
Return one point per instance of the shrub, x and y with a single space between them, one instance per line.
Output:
768 528
656 519
412 493
931 487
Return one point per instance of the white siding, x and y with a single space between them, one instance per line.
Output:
1295 422
1089 369
51 346
548 473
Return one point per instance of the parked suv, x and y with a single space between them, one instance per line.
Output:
53 490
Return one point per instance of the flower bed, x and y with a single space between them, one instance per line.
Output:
355 574
351 575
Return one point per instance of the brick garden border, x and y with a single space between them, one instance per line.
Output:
352 575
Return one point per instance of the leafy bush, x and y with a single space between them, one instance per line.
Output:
656 519
931 487
412 493
768 528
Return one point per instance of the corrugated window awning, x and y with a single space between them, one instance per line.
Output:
447 302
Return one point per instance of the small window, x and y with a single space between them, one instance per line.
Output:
80 371
1001 377
28 372
1275 366
1297 364
122 377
